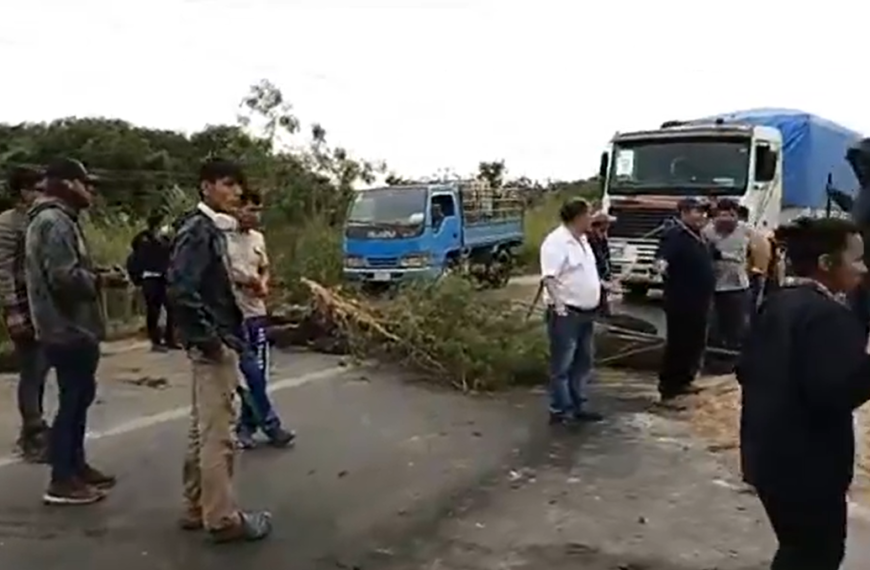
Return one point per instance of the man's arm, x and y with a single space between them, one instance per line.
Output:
8 250
190 257
61 260
834 361
552 260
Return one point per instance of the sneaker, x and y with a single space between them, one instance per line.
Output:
280 437
158 348
33 447
586 416
191 519
98 479
245 440
249 528
74 493
563 420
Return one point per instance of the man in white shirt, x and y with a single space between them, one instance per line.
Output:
250 273
572 291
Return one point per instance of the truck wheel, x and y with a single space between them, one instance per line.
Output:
636 292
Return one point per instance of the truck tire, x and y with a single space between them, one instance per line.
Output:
635 292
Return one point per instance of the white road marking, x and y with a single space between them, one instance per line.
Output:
182 412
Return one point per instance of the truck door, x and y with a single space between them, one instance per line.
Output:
446 226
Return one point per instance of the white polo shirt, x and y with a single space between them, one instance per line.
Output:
571 262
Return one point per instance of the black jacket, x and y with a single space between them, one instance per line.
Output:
200 289
601 249
803 371
690 279
149 253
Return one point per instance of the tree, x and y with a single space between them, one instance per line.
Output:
493 172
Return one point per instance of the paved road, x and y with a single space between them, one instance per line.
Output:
376 457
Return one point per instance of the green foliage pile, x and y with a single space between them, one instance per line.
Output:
445 330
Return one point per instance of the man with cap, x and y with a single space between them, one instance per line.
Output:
63 288
685 259
32 365
600 245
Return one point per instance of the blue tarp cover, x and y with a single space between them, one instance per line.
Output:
813 147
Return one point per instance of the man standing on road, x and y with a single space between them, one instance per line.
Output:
147 266
250 272
685 259
572 292
210 323
63 289
32 364
731 302
803 371
601 248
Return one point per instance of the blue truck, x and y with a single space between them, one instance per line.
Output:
423 231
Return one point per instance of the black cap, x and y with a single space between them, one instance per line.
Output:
69 169
687 204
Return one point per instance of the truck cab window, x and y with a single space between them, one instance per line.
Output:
442 207
765 163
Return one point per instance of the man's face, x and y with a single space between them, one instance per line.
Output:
581 224
29 195
848 272
725 220
223 195
694 218
82 192
249 216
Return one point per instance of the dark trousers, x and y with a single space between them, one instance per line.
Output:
571 359
75 366
811 531
256 409
732 317
33 369
154 292
684 346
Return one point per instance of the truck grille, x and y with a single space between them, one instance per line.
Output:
638 222
382 261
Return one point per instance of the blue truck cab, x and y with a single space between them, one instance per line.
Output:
396 233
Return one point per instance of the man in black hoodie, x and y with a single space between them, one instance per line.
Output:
63 288
804 369
147 266
210 323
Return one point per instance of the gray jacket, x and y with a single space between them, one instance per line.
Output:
62 286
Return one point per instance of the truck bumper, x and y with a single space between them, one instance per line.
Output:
632 261
391 275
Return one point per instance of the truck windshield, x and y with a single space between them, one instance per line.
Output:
680 166
392 206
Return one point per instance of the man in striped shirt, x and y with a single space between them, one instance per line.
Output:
32 365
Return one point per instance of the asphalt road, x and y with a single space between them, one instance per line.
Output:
377 458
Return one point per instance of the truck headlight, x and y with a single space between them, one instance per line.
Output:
353 261
415 260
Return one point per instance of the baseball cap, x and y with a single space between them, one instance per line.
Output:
69 169
687 204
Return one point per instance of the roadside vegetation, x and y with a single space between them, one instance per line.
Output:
446 330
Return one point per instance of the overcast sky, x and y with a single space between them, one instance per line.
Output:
428 84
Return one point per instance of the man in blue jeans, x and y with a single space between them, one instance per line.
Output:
572 291
64 293
250 272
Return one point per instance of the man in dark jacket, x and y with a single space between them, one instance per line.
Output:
686 261
147 266
601 248
803 371
209 322
64 293
32 364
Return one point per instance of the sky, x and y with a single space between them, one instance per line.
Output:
426 84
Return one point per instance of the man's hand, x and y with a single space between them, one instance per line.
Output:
18 327
610 286
660 266
112 277
213 350
560 309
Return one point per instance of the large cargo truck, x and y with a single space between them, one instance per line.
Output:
778 163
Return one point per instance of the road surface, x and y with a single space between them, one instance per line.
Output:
390 474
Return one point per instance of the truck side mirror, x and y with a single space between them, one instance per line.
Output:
602 168
765 164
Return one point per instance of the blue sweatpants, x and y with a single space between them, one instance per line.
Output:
257 411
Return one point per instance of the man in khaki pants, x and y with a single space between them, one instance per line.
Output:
209 322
